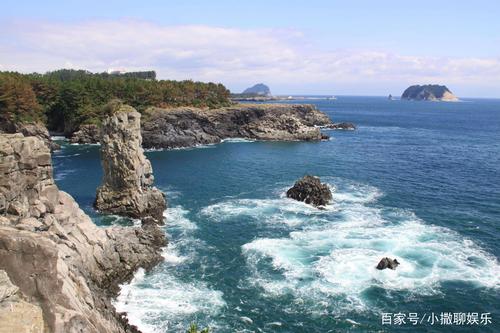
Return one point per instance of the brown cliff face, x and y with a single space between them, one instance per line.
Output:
127 187
62 263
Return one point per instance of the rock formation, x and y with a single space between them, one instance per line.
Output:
54 259
387 263
429 92
310 190
341 126
87 134
127 187
30 129
187 126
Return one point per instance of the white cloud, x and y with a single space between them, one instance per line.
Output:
281 58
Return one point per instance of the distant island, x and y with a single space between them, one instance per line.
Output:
260 89
429 92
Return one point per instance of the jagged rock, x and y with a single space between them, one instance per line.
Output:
86 134
30 129
387 263
63 265
188 126
127 187
310 190
16 314
341 126
429 92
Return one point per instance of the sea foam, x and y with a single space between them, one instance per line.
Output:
331 255
162 300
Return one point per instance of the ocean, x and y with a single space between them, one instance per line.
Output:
417 181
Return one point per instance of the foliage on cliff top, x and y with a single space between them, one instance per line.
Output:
18 102
69 98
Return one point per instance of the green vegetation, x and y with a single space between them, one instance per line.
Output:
194 329
65 99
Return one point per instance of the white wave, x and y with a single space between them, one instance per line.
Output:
155 302
58 138
237 140
337 258
162 301
176 218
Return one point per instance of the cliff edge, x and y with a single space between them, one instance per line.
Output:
187 126
58 270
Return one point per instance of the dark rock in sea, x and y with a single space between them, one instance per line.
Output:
58 269
390 97
86 134
259 89
310 190
127 187
429 92
341 126
188 126
387 263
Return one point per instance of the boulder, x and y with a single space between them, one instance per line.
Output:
310 190
387 263
127 188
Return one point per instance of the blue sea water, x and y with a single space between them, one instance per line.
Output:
418 181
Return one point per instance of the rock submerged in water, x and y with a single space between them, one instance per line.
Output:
310 190
342 126
387 263
127 187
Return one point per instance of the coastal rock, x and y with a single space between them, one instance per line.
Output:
127 187
429 92
187 126
341 126
310 190
61 263
87 134
387 263
30 129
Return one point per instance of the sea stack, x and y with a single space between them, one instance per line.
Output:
127 187
310 190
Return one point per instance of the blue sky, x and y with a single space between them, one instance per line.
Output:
324 47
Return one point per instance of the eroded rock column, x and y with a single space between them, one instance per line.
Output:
127 187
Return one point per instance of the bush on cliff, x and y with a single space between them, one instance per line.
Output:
18 101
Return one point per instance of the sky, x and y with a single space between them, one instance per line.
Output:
295 47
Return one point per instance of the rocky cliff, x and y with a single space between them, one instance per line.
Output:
58 270
86 134
127 187
36 129
429 92
186 127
